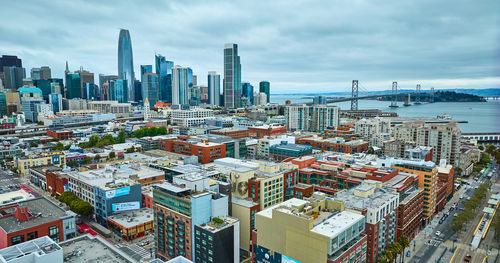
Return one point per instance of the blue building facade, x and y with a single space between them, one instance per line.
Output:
126 62
118 90
247 91
265 86
213 88
164 71
109 201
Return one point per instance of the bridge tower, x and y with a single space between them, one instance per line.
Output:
431 99
394 101
417 95
354 102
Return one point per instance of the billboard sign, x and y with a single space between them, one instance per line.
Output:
126 206
117 192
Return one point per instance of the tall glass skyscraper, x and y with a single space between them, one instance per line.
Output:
118 90
180 84
213 88
265 87
126 62
150 84
247 91
232 76
164 71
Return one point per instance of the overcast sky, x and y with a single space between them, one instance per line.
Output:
299 46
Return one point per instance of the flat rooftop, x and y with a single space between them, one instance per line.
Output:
337 223
14 196
290 203
375 200
42 246
133 218
243 202
214 227
84 249
292 147
40 208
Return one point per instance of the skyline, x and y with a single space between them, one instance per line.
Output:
444 48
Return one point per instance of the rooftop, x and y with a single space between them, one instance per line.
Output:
337 223
378 198
213 226
42 210
41 246
92 249
292 147
290 203
133 218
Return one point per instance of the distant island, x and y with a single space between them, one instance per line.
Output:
442 96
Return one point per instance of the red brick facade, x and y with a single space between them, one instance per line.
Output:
260 132
55 183
332 146
206 153
409 215
233 133
60 135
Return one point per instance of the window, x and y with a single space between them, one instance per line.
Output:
32 235
17 239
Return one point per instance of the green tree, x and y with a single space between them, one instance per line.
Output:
405 243
67 197
396 249
97 157
86 160
130 150
14 170
122 136
388 255
72 163
33 144
112 155
370 150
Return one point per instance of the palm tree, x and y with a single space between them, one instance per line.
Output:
382 259
404 242
388 255
395 248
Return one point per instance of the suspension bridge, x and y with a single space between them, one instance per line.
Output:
394 95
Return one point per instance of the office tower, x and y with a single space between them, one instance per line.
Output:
49 86
247 91
213 88
13 77
91 91
265 86
190 77
323 117
261 99
118 90
180 80
56 101
35 74
72 86
219 241
105 78
204 94
146 69
3 104
195 80
45 73
126 62
85 77
319 100
164 70
10 61
150 84
232 76
194 95
138 90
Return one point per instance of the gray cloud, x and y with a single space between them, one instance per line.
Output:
297 45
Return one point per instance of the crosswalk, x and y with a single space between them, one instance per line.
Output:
7 183
139 250
436 241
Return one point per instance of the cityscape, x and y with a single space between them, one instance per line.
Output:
196 161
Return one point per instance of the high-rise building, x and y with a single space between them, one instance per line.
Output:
314 118
164 71
444 138
85 77
72 85
118 90
213 88
49 86
56 101
232 76
106 78
247 91
265 86
204 94
138 90
13 77
180 84
35 74
150 84
178 210
126 62
194 95
10 61
45 72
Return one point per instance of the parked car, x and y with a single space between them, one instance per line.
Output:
438 233
467 258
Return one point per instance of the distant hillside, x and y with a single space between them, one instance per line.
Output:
477 92
444 96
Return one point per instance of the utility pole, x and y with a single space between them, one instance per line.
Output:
354 101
